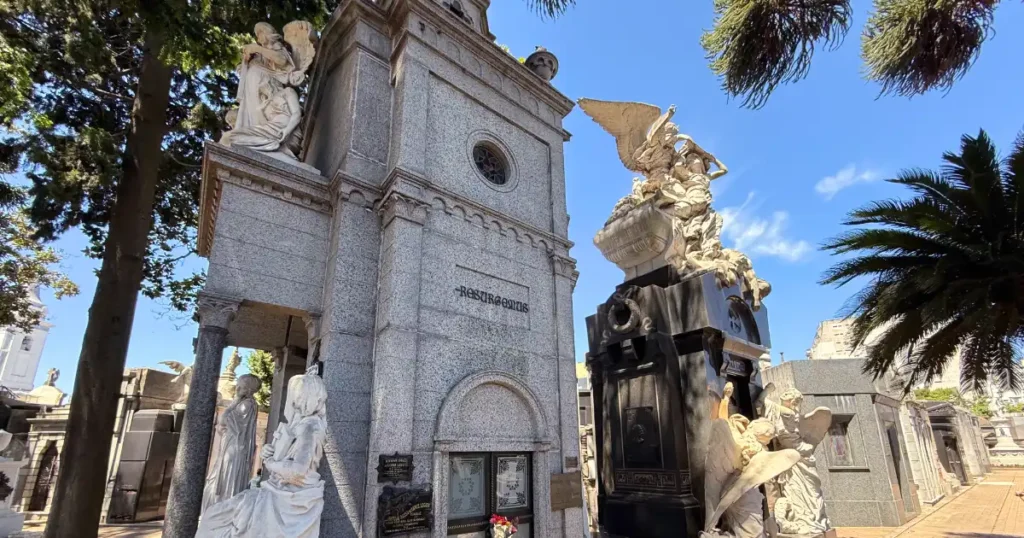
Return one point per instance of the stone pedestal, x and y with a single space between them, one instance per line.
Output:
661 350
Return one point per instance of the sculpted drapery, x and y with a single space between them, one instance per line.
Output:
289 500
235 445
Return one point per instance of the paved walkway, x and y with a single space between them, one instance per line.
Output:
987 510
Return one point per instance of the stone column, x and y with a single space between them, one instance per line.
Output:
186 496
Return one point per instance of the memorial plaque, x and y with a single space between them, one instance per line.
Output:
566 491
571 462
404 510
394 468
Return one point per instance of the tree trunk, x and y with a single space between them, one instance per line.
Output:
81 484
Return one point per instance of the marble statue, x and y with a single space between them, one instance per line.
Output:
268 110
800 508
183 381
738 462
288 501
677 182
234 445
51 377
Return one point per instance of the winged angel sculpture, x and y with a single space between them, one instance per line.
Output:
677 180
800 507
183 380
738 462
268 110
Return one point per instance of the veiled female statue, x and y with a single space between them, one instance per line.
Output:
800 509
288 502
234 445
268 106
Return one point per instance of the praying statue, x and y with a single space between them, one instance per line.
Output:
288 501
234 445
269 112
800 509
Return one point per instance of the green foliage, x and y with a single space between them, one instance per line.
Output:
911 46
756 45
24 263
945 269
550 8
981 407
261 365
952 396
1013 408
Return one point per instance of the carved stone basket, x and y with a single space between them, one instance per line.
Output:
637 242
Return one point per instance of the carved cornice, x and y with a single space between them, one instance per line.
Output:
398 205
476 213
351 189
216 311
260 173
565 266
478 57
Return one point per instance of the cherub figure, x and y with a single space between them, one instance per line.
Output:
801 485
734 469
268 106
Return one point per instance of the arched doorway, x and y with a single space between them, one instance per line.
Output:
44 478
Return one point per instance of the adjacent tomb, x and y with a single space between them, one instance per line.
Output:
404 234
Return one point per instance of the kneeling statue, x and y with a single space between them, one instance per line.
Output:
288 503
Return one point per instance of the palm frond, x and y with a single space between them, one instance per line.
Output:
756 45
912 46
550 8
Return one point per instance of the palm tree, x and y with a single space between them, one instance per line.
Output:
946 269
550 8
908 46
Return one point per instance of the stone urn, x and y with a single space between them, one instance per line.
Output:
638 241
543 64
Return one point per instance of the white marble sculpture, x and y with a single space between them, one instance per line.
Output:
738 462
183 381
288 501
675 189
268 110
234 445
800 508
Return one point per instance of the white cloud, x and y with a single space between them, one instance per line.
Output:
847 177
753 234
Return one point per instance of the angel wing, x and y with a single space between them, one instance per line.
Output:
302 39
722 463
629 123
763 467
176 366
814 425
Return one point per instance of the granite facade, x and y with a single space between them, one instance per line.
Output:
441 304
871 484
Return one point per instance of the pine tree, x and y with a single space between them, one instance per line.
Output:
261 365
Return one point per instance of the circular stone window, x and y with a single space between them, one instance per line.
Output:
491 164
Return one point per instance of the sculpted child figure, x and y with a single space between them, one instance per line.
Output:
289 500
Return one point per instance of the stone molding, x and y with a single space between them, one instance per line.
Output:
459 206
398 205
565 266
427 22
216 311
250 170
447 434
347 188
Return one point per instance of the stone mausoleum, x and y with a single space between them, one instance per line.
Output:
417 258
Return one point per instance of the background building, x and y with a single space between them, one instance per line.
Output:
20 352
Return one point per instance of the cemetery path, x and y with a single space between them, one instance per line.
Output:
988 510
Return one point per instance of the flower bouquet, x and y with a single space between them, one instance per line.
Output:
502 527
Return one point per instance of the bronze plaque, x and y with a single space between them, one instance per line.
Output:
571 462
394 468
404 510
566 491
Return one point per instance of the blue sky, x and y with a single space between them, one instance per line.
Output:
818 149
